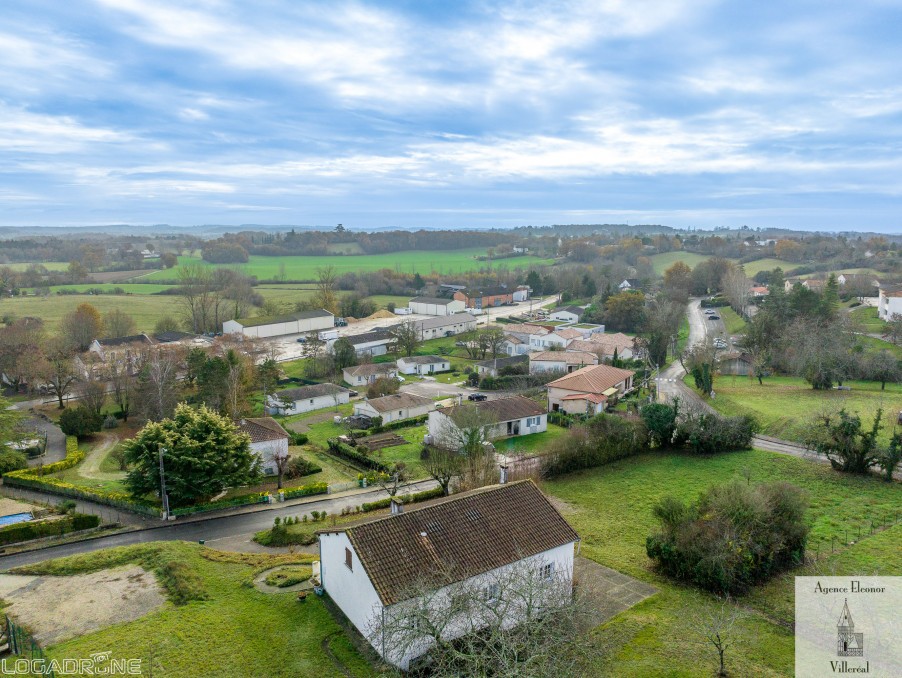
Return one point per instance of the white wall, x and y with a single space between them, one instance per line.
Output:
364 407
453 306
266 450
351 589
279 329
566 316
372 348
887 306
439 427
416 368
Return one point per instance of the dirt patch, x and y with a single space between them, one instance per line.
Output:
58 608
10 506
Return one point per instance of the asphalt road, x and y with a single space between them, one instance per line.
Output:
210 529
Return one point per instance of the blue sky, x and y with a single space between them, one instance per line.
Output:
682 112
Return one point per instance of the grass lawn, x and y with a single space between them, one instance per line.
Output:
49 265
383 300
146 309
127 288
785 405
734 322
769 264
682 337
867 317
661 262
71 475
226 628
610 508
534 443
875 344
304 268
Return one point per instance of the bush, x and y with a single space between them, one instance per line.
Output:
299 467
732 537
406 499
11 460
289 576
307 490
350 454
110 422
709 433
79 422
299 438
601 440
12 534
660 420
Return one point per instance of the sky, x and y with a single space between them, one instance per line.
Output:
690 113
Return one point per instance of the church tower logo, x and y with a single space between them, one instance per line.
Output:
848 643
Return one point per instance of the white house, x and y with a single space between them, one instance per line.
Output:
395 407
280 325
629 284
371 343
268 439
569 314
363 375
116 348
493 366
473 539
514 346
435 306
423 364
588 386
307 398
522 292
444 325
560 361
513 416
889 303
560 338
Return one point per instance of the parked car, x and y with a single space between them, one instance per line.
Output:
713 317
400 378
353 393
302 340
477 397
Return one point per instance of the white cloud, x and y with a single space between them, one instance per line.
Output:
22 130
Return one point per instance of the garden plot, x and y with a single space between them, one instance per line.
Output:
55 609
381 441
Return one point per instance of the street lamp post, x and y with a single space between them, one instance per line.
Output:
163 494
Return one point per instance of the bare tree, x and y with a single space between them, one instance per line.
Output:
407 337
116 323
493 338
524 620
466 428
714 626
92 392
443 465
393 480
325 296
57 369
20 351
81 326
123 384
158 391
280 458
199 297
736 288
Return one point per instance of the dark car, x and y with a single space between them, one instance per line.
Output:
477 397
713 317
353 393
302 340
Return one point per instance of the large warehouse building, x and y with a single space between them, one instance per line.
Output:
277 326
435 306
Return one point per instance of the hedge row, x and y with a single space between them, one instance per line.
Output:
241 500
395 425
40 478
12 534
307 490
407 499
347 452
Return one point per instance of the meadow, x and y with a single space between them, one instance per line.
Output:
304 268
661 262
611 509
786 406
226 627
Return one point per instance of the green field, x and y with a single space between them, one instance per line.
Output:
610 508
145 309
49 265
127 288
226 628
785 406
304 268
753 267
534 443
661 262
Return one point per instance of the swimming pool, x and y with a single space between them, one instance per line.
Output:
15 518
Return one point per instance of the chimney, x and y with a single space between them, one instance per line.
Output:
396 507
503 479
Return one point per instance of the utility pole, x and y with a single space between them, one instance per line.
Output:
163 487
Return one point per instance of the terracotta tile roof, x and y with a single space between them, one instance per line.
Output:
262 429
585 346
566 357
398 401
608 342
506 361
122 341
458 538
568 334
504 409
595 379
591 397
523 328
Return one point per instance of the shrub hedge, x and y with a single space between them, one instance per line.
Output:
395 425
407 499
350 454
12 534
307 490
241 500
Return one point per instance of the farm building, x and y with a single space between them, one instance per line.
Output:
280 325
423 364
395 407
486 297
569 314
268 438
513 416
435 306
485 534
560 361
362 375
599 382
307 398
735 363
494 366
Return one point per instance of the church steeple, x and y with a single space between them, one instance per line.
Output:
845 622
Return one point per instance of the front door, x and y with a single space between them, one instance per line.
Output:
513 428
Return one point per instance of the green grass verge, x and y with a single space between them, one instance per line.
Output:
610 508
867 317
531 444
785 406
734 323
231 630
